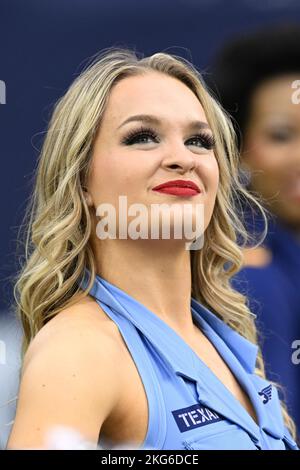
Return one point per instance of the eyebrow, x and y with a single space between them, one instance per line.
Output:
155 120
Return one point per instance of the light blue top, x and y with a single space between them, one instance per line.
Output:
189 407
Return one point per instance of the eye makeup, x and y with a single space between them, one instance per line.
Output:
206 140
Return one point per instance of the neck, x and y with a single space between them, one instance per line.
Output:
156 273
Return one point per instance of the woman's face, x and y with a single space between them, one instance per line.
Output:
131 158
272 147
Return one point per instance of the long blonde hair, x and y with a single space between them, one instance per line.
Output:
57 219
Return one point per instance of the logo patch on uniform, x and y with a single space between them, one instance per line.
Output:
266 394
194 416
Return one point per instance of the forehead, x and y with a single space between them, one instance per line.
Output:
153 93
275 95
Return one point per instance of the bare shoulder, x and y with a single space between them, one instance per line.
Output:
84 326
70 377
257 257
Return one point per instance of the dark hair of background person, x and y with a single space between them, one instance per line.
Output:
247 61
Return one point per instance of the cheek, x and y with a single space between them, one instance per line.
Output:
112 175
263 154
212 176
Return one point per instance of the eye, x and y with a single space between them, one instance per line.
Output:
142 135
281 135
206 140
137 136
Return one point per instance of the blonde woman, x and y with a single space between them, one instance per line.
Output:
131 340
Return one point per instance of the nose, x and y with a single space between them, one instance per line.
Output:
179 159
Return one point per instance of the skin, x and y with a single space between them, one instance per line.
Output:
118 169
271 148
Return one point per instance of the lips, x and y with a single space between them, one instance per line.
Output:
293 191
178 188
291 188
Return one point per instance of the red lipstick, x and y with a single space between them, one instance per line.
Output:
178 188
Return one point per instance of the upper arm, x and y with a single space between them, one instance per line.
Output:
70 378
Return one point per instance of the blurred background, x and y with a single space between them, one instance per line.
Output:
250 68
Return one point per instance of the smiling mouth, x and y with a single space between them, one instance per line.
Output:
184 191
185 188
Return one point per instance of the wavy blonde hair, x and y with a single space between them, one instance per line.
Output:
57 220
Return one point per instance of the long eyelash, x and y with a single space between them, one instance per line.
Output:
135 133
208 140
